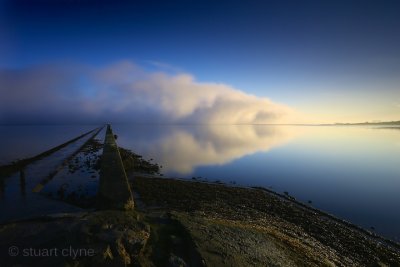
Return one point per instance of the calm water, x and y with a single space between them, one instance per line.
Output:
351 172
25 194
23 141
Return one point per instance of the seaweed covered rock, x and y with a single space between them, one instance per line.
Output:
135 163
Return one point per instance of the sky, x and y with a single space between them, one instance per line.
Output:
199 61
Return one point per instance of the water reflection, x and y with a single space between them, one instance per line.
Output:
19 199
351 172
2 186
180 149
22 183
23 141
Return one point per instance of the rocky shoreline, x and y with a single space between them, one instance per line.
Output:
233 226
192 223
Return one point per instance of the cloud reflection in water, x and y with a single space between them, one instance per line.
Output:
180 149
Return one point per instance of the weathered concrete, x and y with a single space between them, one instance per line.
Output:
114 190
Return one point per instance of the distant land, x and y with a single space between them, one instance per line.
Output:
371 123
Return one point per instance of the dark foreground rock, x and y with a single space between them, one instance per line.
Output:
104 238
232 226
183 223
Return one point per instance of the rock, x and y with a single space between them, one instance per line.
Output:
125 257
115 237
176 241
176 261
107 254
129 205
135 241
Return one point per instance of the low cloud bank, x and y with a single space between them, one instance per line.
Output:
125 92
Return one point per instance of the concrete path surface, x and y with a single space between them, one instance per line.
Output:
114 189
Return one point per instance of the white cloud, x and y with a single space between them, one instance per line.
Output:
125 92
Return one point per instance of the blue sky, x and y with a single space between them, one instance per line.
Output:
330 60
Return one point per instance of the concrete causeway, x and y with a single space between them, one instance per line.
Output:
114 190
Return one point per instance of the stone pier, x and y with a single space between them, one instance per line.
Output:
114 190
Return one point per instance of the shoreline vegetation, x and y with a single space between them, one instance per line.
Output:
179 222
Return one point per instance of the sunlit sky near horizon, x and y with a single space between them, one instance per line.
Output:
199 61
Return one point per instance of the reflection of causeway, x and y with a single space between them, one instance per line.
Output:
183 148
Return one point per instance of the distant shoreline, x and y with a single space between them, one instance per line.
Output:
199 123
371 123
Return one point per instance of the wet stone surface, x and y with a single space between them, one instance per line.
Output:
20 196
77 183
